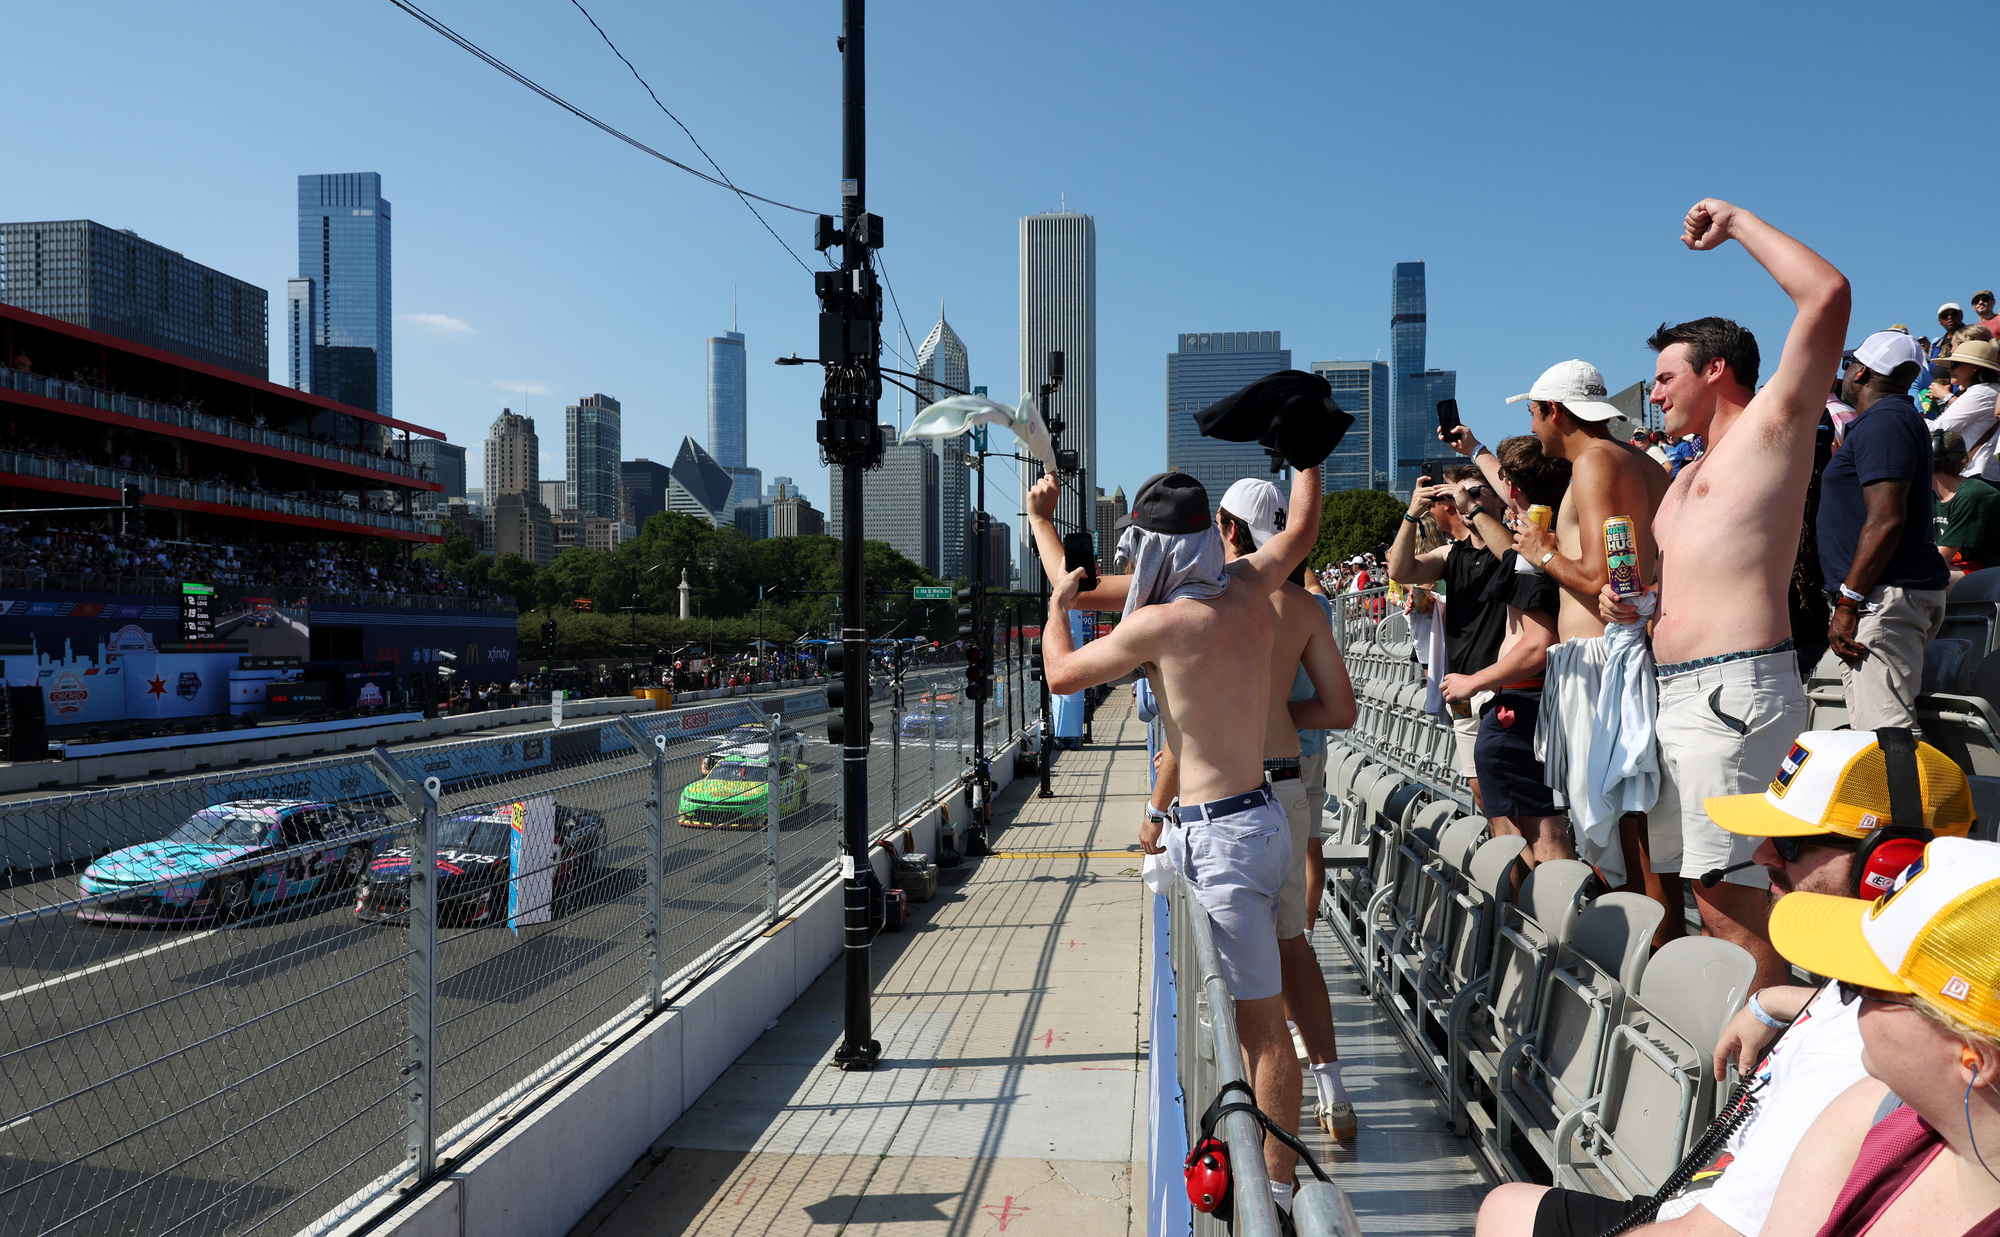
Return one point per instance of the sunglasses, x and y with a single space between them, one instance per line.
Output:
1789 849
1850 993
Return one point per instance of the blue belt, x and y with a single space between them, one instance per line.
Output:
1702 663
1224 807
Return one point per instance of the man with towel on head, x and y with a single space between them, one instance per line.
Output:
1202 628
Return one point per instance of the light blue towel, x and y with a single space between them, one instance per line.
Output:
1624 756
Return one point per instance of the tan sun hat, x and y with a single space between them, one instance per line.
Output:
1981 352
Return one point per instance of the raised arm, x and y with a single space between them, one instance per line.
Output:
1463 441
1070 669
1797 391
1406 566
1272 563
1110 591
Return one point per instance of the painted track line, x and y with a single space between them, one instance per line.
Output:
105 966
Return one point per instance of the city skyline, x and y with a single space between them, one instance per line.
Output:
942 358
341 305
1058 266
1205 367
592 442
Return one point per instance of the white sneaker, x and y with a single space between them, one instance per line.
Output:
1338 1121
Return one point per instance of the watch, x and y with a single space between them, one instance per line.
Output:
1546 557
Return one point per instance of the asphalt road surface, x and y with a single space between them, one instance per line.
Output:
246 1078
278 635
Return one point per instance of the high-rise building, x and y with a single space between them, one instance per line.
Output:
746 485
793 516
1361 461
753 520
519 524
644 486
555 496
1107 541
1433 386
1415 388
901 501
1207 367
339 307
779 487
699 486
942 370
108 280
999 552
592 442
1059 314
442 462
727 405
513 458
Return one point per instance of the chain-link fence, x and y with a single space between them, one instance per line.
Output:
240 1002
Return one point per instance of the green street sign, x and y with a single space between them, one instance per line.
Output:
940 593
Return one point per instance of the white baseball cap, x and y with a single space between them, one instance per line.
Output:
1951 305
1932 935
1257 504
1577 386
1883 351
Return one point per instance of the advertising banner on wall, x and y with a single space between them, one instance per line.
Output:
531 862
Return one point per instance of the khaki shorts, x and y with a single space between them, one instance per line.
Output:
1312 772
1723 730
1466 729
1302 814
1882 690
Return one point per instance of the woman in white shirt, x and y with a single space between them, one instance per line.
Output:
1975 369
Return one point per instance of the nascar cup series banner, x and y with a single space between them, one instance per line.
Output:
531 862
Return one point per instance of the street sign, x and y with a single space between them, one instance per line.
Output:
926 593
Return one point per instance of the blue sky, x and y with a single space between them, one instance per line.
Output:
1250 167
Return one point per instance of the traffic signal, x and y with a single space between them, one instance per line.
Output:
1035 659
976 686
131 495
836 695
549 638
968 613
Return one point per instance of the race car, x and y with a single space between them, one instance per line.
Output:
473 866
936 721
263 616
224 834
736 794
755 740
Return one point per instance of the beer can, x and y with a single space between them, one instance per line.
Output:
1541 515
1621 555
1461 708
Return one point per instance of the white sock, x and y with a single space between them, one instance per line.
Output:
1283 1195
1327 1078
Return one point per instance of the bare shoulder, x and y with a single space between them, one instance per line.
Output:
1775 422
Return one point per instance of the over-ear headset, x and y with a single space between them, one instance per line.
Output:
1890 849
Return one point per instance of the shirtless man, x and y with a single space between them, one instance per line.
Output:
1303 648
1569 416
1728 531
1204 636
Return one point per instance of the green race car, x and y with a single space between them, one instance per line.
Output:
736 793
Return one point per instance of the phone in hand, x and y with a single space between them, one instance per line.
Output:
1080 550
1447 418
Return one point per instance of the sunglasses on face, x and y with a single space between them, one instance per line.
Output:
1789 849
1850 993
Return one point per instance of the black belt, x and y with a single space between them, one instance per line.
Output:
1185 812
1283 769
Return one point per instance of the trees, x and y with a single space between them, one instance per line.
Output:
1354 522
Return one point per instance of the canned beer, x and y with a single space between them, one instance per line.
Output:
1621 555
1541 515
1461 708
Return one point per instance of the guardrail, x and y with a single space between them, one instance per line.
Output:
351 985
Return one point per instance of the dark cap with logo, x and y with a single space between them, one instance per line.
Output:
1170 502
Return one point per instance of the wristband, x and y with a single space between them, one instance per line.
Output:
1851 595
1412 519
1482 449
1157 814
1756 1009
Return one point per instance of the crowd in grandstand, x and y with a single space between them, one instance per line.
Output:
36 555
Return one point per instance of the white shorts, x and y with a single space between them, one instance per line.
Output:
1301 815
1466 730
1724 730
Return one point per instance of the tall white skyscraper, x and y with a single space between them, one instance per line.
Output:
1059 314
942 359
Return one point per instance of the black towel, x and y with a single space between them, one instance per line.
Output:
1291 411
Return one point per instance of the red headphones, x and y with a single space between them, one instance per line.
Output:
1890 849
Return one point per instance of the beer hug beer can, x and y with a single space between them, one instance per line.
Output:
1621 555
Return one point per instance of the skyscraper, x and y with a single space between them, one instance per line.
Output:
445 463
728 416
699 486
113 281
338 309
513 457
1207 367
942 359
1361 461
1417 388
592 442
644 486
1059 314
902 501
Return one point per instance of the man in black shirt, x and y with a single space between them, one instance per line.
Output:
1876 541
1473 627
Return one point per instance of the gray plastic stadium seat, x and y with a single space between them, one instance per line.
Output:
1659 1085
1459 974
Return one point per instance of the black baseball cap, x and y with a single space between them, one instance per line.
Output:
1170 502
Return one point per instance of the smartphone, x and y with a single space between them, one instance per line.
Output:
1447 417
1080 550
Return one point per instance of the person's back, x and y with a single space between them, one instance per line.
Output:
1209 650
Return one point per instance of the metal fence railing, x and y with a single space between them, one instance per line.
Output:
256 1001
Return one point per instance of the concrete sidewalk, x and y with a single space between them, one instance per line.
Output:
1011 1097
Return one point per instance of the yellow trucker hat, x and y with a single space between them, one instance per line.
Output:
1837 781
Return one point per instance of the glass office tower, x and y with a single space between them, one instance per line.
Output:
592 442
1361 461
727 403
1207 367
340 320
942 359
1413 423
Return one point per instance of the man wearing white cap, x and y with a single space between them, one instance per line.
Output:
1571 418
1731 700
1877 546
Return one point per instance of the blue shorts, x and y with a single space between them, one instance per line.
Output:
1237 852
1511 780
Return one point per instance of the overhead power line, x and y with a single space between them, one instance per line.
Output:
690 136
455 37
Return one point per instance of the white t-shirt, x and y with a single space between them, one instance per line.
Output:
1809 1065
1971 415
